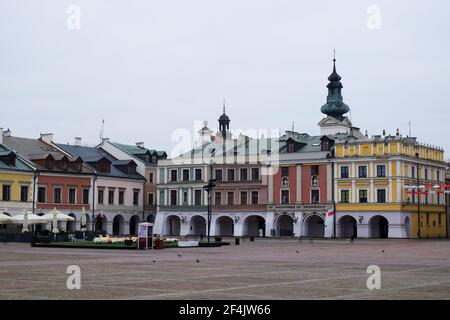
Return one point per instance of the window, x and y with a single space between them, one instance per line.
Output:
100 196
362 196
64 165
314 170
255 197
185 197
381 195
362 171
162 198
285 171
6 193
244 174
42 194
345 196
173 175
218 174
173 197
315 196
285 196
49 164
24 193
381 170
198 197
185 174
110 196
255 173
438 175
428 218
230 174
230 198
85 196
314 181
57 195
198 174
426 174
344 172
72 195
121 196
218 198
135 197
150 199
413 172
291 147
150 177
243 197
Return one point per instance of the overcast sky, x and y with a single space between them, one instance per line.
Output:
149 67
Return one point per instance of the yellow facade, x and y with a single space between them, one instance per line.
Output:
15 179
402 168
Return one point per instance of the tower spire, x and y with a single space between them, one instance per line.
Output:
335 106
224 122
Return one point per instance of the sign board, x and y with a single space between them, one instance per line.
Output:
145 236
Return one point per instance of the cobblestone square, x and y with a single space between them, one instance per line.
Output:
264 269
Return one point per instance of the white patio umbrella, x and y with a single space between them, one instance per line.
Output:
83 219
28 218
59 216
25 221
4 219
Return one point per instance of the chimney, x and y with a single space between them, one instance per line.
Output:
140 144
105 139
77 141
1 135
47 137
7 133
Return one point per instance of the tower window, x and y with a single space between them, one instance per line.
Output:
314 170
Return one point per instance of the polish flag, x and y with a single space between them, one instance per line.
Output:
330 213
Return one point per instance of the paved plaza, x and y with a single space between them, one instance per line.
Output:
264 269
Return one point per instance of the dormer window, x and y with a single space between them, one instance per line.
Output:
49 164
131 169
63 165
290 148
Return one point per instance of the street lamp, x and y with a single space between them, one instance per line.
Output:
208 188
418 196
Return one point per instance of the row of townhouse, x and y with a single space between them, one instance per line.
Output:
114 183
340 183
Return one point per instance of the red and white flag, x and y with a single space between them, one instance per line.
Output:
330 213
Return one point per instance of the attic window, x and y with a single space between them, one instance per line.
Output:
290 147
131 169
49 164
78 165
64 165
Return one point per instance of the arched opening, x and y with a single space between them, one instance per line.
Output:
378 227
285 226
118 225
255 226
134 225
151 218
100 223
71 225
197 226
408 227
315 227
348 227
172 226
224 226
